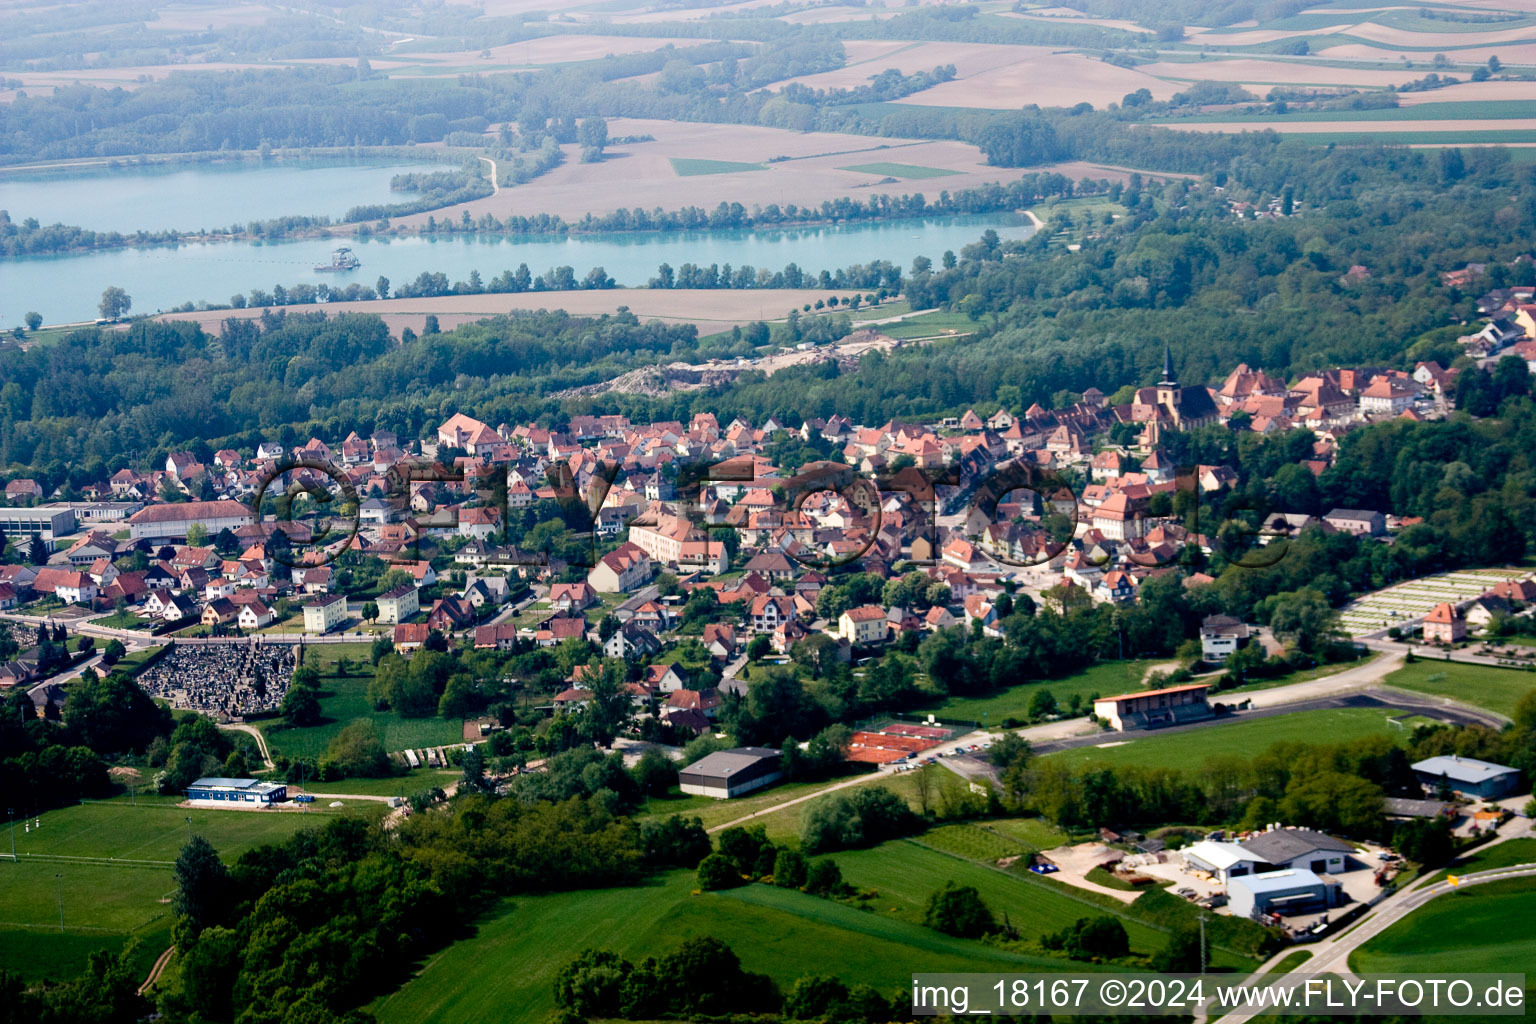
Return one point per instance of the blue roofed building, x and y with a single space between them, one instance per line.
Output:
237 791
1467 776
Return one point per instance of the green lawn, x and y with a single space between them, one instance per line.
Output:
512 959
408 784
1187 750
123 620
1506 854
344 698
1497 689
1485 928
781 826
115 858
930 325
892 170
688 167
1103 679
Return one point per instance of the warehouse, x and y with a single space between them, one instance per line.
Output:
1300 848
240 791
731 773
1467 776
1285 893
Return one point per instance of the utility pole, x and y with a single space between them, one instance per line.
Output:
60 878
11 813
1202 943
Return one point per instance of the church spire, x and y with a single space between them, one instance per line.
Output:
1167 364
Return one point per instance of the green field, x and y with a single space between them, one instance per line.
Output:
1478 929
1241 739
344 698
115 860
930 325
1496 689
781 826
786 934
1506 854
1104 679
892 170
688 167
407 784
1460 110
513 957
904 873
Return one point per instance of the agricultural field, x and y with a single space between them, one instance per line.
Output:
893 170
785 934
804 168
1238 739
1483 928
688 167
1496 689
343 699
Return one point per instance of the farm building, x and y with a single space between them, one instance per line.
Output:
247 791
1468 776
1173 705
1280 892
730 773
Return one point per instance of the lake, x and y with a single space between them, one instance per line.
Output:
67 288
191 197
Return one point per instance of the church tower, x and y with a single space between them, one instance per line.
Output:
1168 391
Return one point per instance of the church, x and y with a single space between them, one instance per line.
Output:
1170 406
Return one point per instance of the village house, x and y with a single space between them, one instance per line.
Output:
863 626
1444 625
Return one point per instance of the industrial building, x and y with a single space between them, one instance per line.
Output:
731 773
1467 776
1300 848
1287 892
1223 861
49 522
240 791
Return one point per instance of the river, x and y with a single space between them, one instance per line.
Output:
66 288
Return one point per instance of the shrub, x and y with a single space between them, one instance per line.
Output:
718 872
958 910
864 816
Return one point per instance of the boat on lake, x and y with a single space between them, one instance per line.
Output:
342 258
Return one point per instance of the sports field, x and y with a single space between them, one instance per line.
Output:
1497 689
1187 750
107 866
